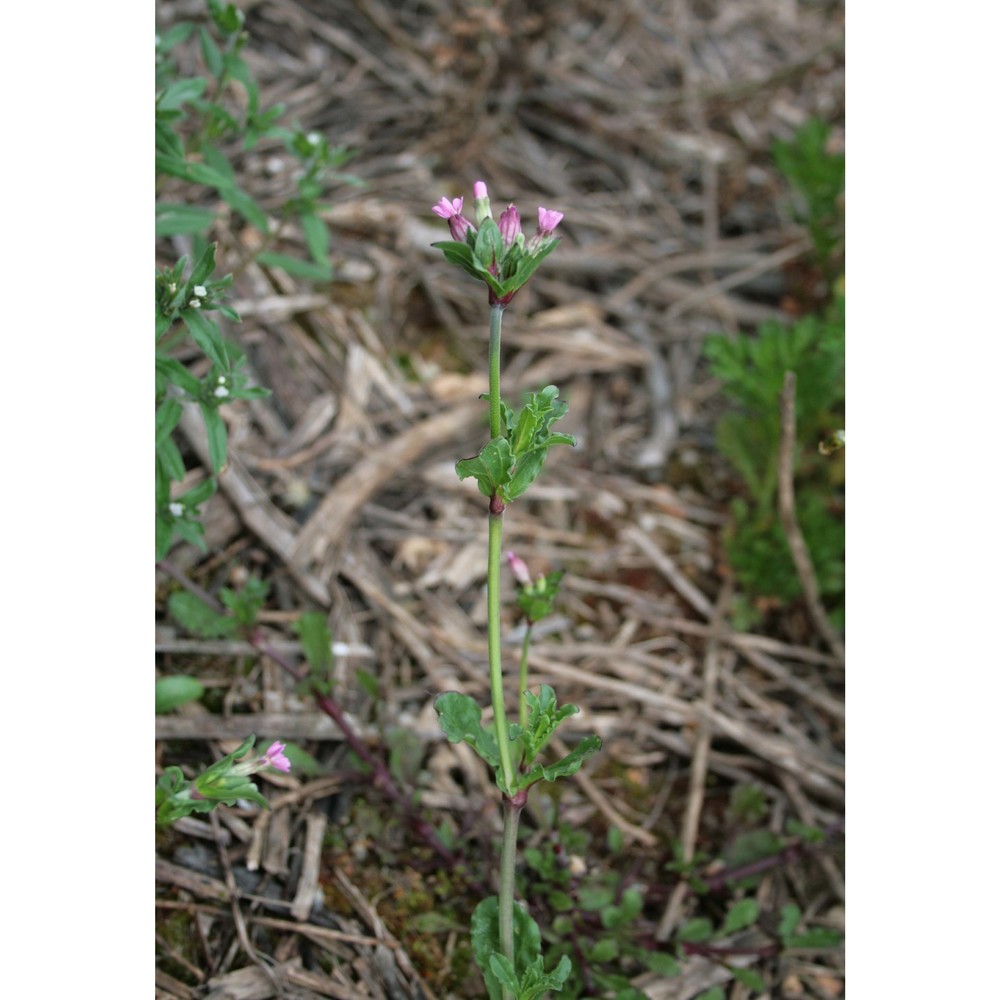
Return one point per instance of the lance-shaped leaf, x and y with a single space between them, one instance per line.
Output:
565 766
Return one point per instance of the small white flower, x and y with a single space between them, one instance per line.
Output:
314 138
201 291
222 380
221 392
177 509
194 304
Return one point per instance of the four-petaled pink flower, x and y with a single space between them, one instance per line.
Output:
547 221
452 211
275 756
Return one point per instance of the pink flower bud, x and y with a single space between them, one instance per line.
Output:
482 202
510 225
519 568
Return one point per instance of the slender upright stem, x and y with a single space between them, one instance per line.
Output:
522 703
493 642
512 812
493 567
508 861
496 319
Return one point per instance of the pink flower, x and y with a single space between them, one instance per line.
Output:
479 190
452 211
547 221
275 756
519 568
446 209
510 225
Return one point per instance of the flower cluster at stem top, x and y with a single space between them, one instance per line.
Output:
497 253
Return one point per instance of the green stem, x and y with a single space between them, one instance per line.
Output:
493 567
522 702
493 642
512 812
508 859
496 319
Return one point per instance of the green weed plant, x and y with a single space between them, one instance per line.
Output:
205 122
752 370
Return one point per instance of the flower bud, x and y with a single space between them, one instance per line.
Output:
519 568
482 202
510 225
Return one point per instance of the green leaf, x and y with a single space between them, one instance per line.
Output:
749 977
699 929
531 438
460 719
790 916
485 934
491 468
660 962
168 414
740 915
816 937
207 336
544 717
564 767
245 603
215 428
173 371
179 220
241 202
307 269
604 950
317 643
177 690
174 36
210 52
190 531
368 683
715 993
194 615
204 267
180 92
169 462
489 246
197 173
317 238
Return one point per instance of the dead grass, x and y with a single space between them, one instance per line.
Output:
649 125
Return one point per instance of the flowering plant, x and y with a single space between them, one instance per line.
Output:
226 781
498 255
506 940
